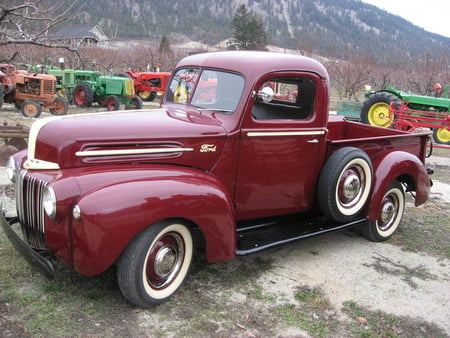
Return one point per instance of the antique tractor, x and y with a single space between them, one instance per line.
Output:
30 92
393 108
67 79
110 91
149 84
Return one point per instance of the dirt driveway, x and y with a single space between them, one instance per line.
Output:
337 285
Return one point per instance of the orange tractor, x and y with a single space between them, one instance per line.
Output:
30 92
148 84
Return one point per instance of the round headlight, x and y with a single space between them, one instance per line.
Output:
11 169
49 202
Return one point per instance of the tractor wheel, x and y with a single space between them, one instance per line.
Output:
83 96
441 135
60 106
31 108
135 103
147 96
375 110
112 103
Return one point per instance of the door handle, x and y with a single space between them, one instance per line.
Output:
313 141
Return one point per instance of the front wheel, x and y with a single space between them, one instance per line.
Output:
389 216
135 103
112 103
60 106
31 108
441 135
155 263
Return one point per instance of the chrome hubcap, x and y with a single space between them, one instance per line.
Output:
352 186
165 261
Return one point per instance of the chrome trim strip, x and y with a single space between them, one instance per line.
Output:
118 152
285 133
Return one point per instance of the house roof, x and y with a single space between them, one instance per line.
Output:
80 32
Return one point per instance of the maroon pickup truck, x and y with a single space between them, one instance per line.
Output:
242 156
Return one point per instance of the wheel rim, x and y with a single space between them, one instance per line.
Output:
80 96
110 104
144 95
30 109
164 260
353 186
443 135
390 212
379 115
59 107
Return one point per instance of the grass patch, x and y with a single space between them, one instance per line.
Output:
312 313
374 324
425 229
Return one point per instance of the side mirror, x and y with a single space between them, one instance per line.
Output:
266 94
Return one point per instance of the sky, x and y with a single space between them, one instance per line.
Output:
431 15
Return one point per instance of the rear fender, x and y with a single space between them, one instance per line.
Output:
402 166
113 215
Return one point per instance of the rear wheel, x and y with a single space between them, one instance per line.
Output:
389 217
376 109
441 135
155 263
83 96
112 103
135 103
31 108
60 106
344 184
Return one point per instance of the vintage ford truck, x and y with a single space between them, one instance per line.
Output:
241 156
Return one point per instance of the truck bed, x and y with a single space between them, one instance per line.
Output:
374 139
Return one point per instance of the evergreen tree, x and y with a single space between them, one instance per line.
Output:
164 45
248 31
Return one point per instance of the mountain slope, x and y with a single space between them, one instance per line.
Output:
327 27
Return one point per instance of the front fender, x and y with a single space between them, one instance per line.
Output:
112 215
404 167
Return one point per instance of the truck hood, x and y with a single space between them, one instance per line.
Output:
143 136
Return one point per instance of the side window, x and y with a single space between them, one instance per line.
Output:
293 99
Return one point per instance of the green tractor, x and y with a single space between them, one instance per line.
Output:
67 79
84 87
391 108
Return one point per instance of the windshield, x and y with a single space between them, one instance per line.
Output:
206 89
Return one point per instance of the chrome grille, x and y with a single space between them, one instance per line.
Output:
29 196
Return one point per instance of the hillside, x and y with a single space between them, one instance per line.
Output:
327 27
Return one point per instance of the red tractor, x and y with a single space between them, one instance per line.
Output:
148 84
30 92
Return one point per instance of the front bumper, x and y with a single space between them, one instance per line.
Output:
34 257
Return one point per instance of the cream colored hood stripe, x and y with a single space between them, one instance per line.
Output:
118 152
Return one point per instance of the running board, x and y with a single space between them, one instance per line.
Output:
254 236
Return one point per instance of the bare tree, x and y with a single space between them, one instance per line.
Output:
29 22
350 77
